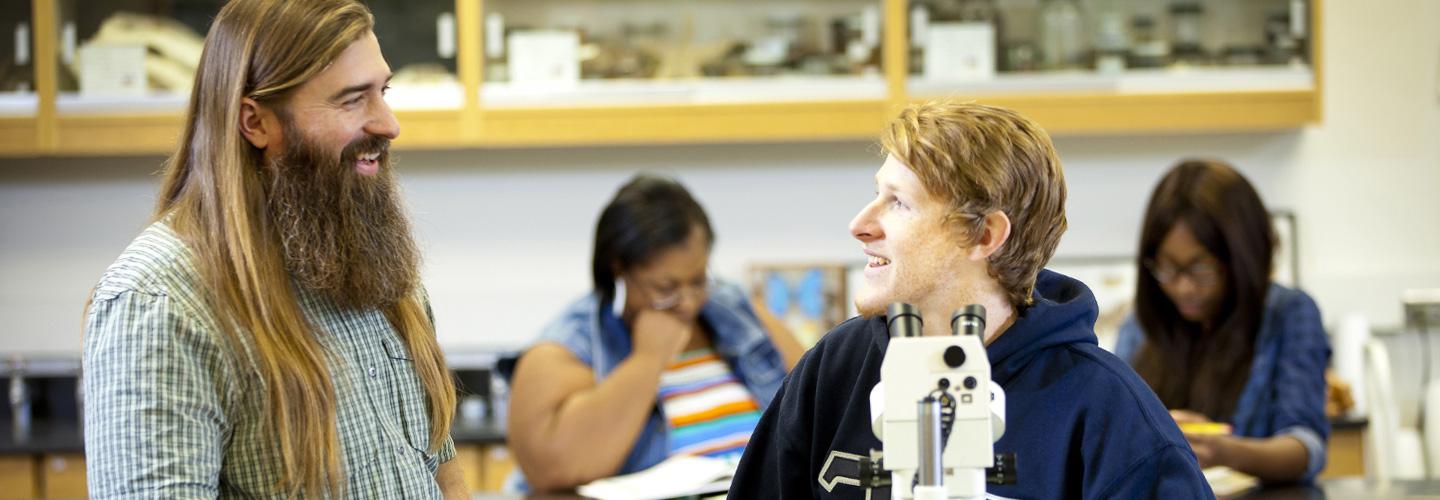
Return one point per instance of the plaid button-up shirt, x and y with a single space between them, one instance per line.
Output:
171 413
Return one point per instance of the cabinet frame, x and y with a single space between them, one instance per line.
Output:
473 125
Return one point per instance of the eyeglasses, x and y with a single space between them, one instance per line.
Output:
666 297
1201 273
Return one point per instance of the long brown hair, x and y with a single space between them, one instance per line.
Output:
1187 365
214 197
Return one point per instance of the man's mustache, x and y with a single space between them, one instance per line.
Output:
365 145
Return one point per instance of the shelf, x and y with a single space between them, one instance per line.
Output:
433 97
18 132
595 93
19 136
1198 112
1136 81
156 132
698 123
72 103
1141 101
134 133
18 104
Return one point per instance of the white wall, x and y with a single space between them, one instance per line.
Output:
507 233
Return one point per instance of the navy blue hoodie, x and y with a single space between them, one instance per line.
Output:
1081 423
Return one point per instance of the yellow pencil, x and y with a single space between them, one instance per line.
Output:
1205 428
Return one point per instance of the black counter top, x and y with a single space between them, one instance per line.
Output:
44 437
1335 488
67 437
1349 422
486 431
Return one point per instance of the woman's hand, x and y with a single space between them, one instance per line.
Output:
660 334
1210 446
1211 449
1183 417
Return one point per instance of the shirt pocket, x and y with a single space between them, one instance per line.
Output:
408 400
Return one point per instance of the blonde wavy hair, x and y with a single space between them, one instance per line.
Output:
980 159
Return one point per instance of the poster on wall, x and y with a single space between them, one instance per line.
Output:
809 298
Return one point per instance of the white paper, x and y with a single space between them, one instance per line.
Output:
960 51
545 57
22 44
445 35
494 35
677 476
1225 481
112 69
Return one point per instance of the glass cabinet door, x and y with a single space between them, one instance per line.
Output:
145 52
17 64
419 39
129 55
1018 46
540 53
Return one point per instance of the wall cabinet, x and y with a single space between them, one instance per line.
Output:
526 73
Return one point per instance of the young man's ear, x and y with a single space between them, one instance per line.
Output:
993 235
258 124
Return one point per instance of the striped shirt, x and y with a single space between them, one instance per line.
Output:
709 412
170 414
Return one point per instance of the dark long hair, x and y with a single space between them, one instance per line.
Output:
1187 365
648 215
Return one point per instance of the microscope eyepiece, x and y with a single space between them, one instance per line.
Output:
904 320
968 320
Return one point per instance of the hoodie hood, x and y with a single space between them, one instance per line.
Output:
1063 313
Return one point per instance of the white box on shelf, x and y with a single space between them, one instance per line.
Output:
545 57
112 69
960 51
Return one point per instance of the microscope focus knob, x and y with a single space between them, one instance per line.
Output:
954 356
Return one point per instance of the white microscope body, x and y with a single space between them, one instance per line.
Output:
924 379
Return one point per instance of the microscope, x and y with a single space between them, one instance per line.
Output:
936 411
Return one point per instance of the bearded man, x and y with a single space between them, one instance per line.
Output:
267 335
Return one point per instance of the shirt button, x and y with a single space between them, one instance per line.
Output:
372 372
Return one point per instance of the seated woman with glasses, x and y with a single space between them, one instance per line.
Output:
658 360
1239 360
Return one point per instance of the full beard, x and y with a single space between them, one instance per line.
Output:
344 235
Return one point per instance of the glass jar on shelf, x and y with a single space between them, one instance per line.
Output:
1187 27
921 13
1148 49
1111 38
1061 35
17 67
17 63
987 12
1282 45
419 41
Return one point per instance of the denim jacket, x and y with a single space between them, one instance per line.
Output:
601 340
1285 395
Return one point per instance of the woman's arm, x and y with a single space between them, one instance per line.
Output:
565 428
1273 459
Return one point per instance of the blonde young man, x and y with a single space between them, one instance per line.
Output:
267 335
969 206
